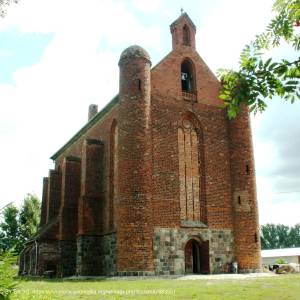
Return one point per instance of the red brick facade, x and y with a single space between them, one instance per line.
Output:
158 182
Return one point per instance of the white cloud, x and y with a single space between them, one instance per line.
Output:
276 146
228 28
285 211
82 22
146 5
47 102
4 53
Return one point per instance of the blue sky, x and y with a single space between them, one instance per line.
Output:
19 50
57 57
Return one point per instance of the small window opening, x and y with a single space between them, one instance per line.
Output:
186 36
139 84
255 238
136 195
187 80
247 169
239 200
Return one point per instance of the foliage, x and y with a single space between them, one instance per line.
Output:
280 261
258 79
10 227
4 4
275 236
294 236
29 218
7 273
19 224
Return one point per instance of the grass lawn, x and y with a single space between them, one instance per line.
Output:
268 288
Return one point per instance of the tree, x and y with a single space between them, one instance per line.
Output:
4 4
275 236
259 79
9 227
29 218
19 225
295 236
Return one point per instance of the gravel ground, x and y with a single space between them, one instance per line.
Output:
185 277
227 276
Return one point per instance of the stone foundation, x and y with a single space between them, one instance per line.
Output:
108 254
88 260
67 264
169 246
249 271
96 255
48 259
134 273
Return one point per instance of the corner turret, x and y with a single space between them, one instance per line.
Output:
134 228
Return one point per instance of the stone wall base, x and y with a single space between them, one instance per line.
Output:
134 273
49 256
96 255
249 270
169 249
67 263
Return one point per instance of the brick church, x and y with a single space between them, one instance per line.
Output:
159 181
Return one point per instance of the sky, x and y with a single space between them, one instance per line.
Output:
59 56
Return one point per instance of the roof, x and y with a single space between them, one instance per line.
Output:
185 16
87 126
280 252
134 51
45 229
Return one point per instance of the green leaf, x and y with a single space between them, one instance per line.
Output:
267 63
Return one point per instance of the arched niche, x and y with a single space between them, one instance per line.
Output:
191 170
186 36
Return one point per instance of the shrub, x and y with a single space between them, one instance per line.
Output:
280 261
7 274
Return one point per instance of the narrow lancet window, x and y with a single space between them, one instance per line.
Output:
187 77
186 36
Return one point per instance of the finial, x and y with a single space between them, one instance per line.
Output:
181 10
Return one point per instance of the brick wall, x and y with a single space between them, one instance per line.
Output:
54 194
44 207
245 210
134 231
100 131
71 170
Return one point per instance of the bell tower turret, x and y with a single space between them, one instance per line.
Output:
183 32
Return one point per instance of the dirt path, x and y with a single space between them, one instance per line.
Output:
226 276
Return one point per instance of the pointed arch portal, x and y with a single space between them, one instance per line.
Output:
196 255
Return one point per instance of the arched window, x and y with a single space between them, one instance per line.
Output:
113 174
186 36
187 76
191 171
